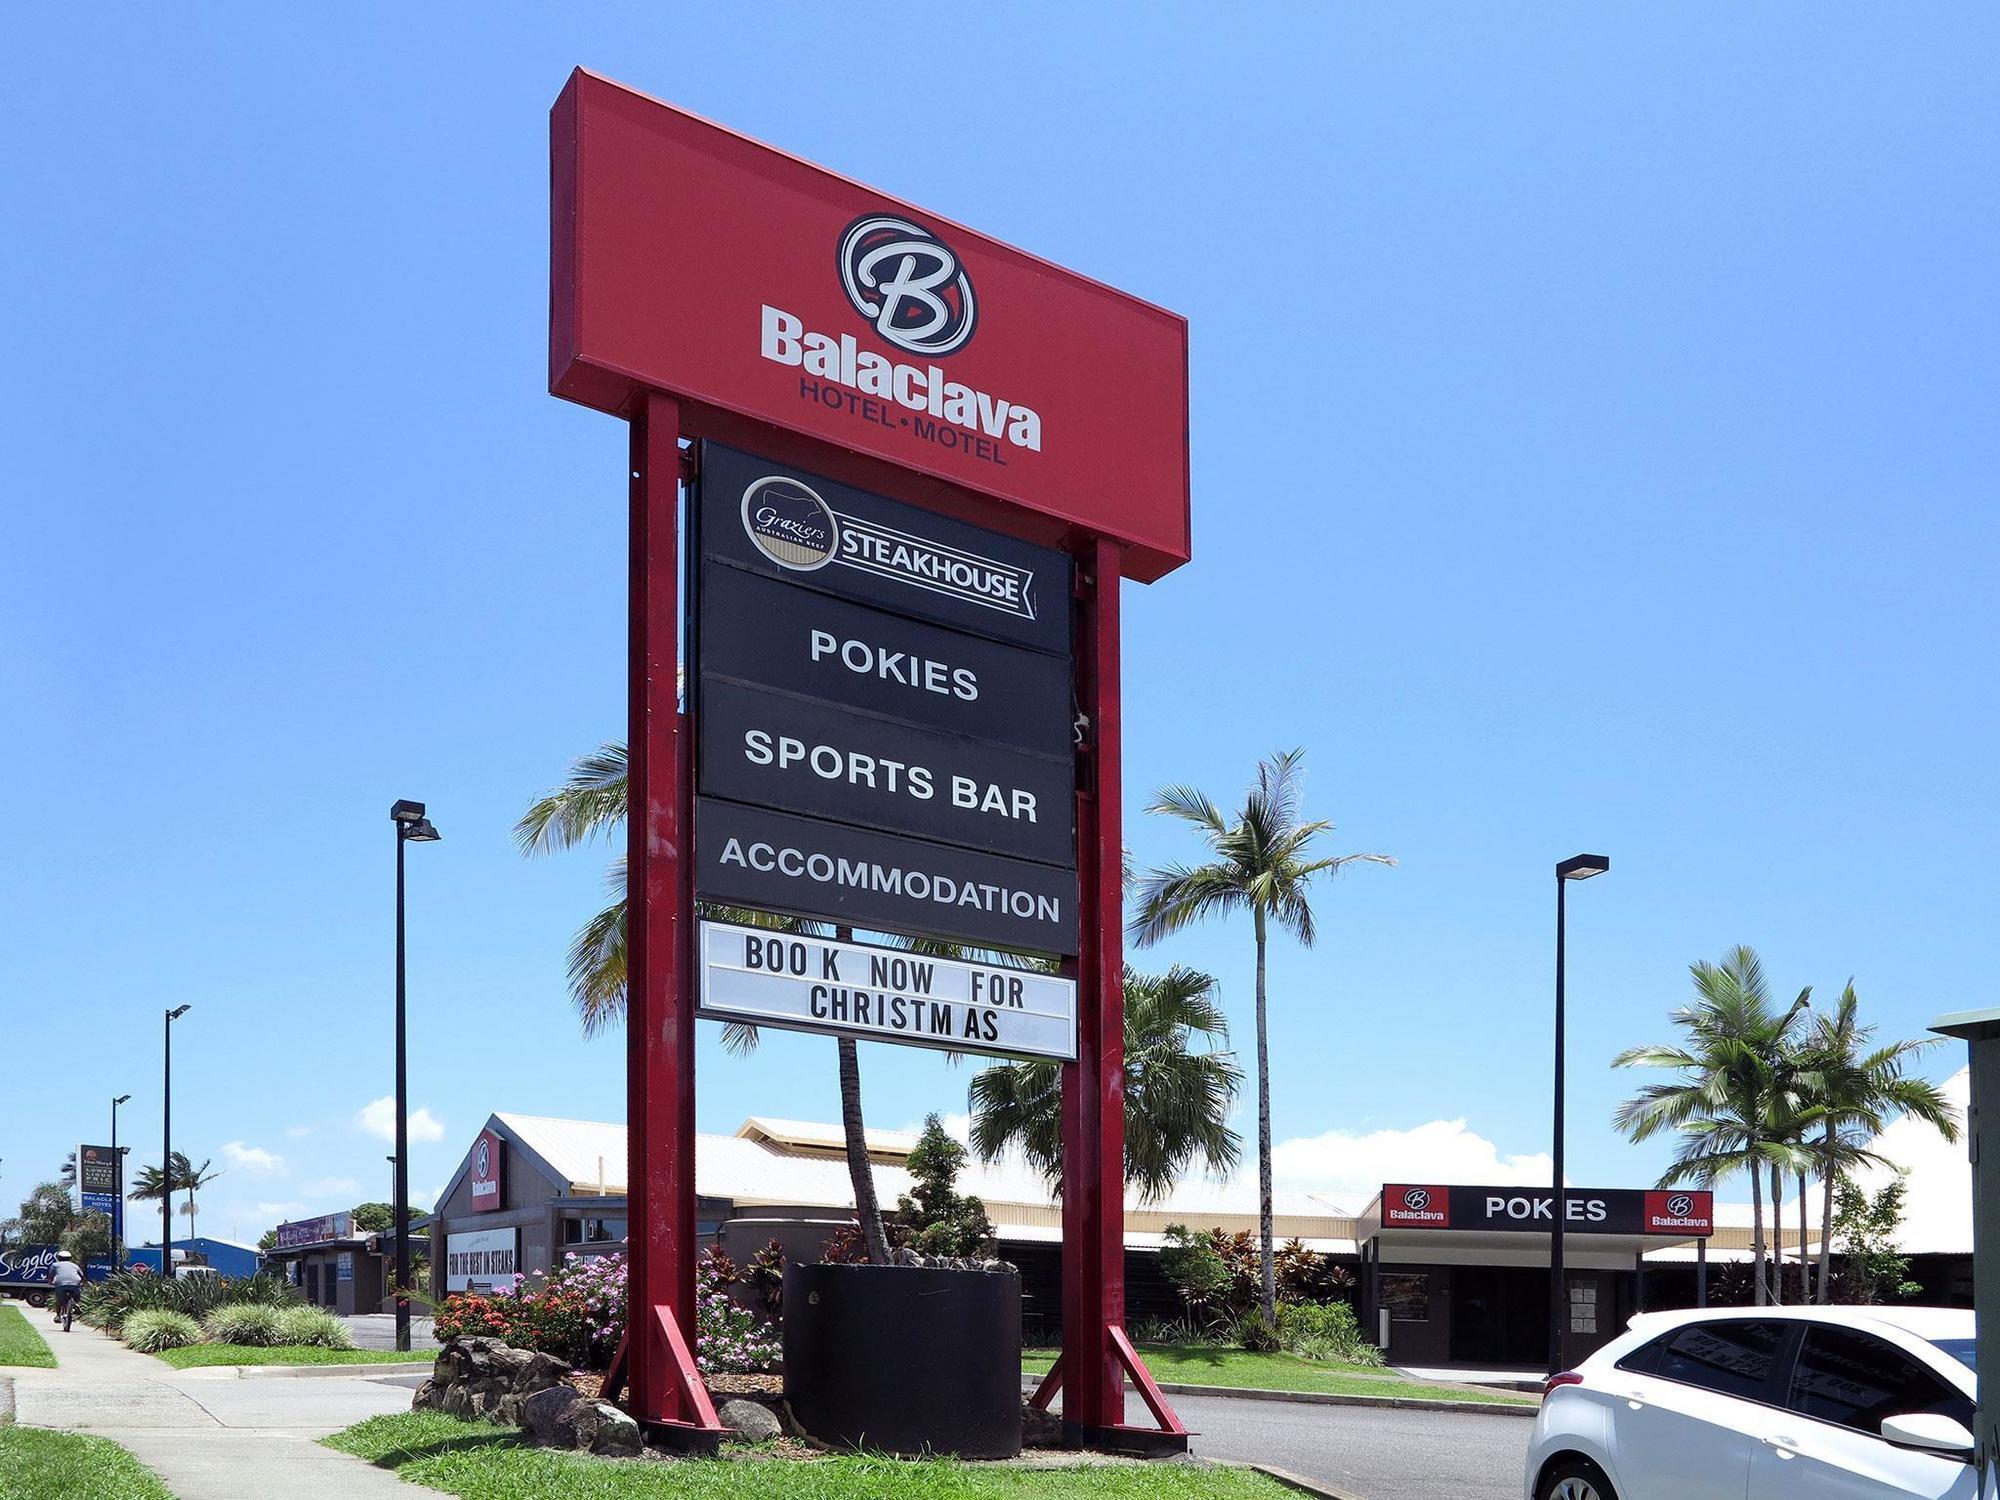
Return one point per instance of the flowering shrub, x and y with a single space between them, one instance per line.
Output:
728 1336
579 1315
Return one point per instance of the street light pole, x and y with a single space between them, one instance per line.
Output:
411 827
1577 867
167 1145
118 1182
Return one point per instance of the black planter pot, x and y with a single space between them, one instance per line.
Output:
897 1359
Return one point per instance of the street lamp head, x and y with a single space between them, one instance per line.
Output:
178 1011
406 811
121 1099
1582 866
420 832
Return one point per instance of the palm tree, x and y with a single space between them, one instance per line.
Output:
1853 1090
150 1184
1727 1104
1261 863
590 805
1177 1098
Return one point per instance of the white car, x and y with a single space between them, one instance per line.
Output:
1765 1403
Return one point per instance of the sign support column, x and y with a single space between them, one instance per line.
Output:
666 1388
1096 1354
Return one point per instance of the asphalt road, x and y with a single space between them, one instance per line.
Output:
1375 1453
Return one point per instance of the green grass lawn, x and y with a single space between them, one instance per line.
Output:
281 1354
38 1465
483 1462
1205 1364
21 1343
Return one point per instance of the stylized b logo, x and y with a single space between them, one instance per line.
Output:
908 283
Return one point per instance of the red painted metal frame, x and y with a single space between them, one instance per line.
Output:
1096 1353
666 1389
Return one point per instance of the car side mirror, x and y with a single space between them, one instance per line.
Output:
1928 1432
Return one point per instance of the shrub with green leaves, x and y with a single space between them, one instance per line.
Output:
1255 1333
152 1329
243 1323
107 1303
1325 1331
311 1326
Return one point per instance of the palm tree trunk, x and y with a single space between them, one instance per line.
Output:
860 1171
1777 1236
1805 1260
1266 1263
1757 1231
1826 1222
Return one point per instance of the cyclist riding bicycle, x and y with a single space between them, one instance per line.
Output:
68 1279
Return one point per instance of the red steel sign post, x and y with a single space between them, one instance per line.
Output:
706 286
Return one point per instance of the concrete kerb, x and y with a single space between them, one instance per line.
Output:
1330 1398
1297 1482
6 1401
306 1372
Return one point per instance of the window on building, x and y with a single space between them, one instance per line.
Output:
592 1231
1730 1358
1407 1295
1855 1380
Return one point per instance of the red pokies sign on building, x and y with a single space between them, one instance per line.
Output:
1679 1212
688 259
1407 1206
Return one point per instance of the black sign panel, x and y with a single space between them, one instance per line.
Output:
751 856
1687 1213
767 634
776 750
810 531
96 1170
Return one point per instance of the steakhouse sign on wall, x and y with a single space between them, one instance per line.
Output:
484 1172
1626 1211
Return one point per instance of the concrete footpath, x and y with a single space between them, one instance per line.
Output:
212 1434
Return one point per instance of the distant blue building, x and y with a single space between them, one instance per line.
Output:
228 1257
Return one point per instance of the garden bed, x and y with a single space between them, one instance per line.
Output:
480 1461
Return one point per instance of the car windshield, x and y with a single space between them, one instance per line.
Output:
1959 1349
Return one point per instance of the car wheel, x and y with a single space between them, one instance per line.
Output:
1575 1479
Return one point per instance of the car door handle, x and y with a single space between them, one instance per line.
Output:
1785 1447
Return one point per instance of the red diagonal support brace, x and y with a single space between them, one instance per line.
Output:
1051 1383
1149 1390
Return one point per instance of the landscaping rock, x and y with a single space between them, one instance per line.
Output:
751 1421
616 1435
429 1396
549 1415
509 1409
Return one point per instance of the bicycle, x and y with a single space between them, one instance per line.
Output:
66 1300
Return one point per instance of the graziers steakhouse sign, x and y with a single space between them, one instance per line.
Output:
1625 1211
484 1171
689 260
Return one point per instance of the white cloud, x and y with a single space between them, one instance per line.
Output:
378 1118
1352 1167
277 1213
331 1187
253 1159
296 1131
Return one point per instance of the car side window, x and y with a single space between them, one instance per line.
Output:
1730 1358
1644 1360
1855 1380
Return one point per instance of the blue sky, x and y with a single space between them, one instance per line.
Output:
1593 448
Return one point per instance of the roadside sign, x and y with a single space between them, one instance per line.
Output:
770 634
96 1179
883 994
808 867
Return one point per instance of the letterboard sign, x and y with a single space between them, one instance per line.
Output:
883 994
